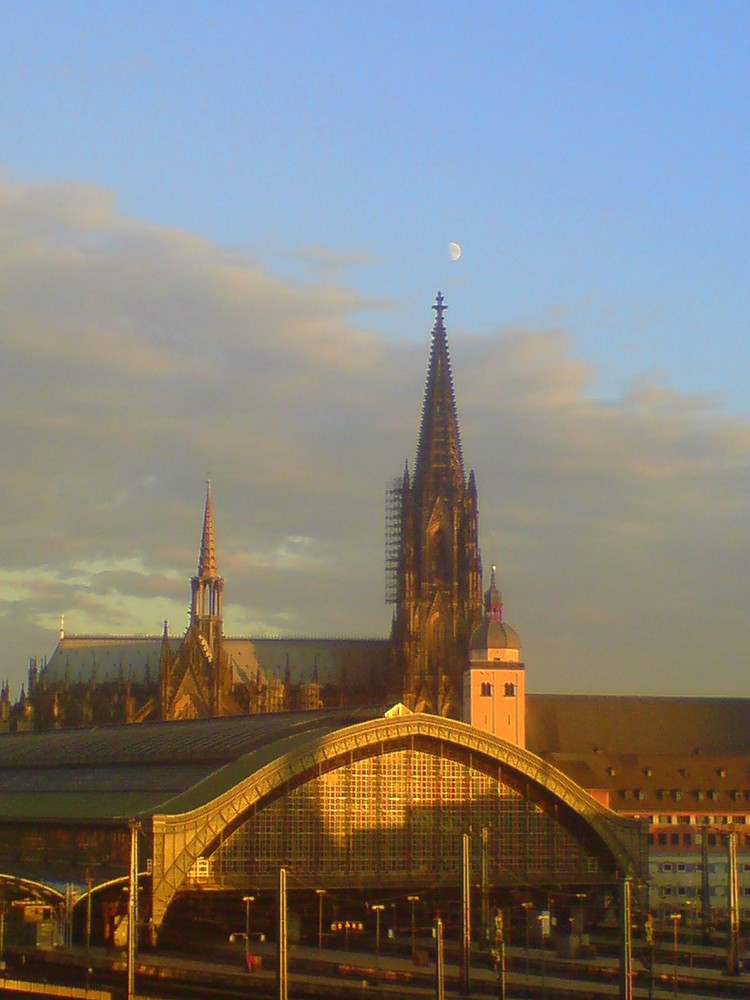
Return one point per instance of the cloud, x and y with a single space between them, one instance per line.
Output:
330 263
137 360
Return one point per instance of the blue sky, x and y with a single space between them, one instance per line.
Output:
591 158
295 171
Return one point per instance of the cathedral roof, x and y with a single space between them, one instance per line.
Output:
79 659
108 658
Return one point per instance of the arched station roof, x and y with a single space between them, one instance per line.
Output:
193 783
194 824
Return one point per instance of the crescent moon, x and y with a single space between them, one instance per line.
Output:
454 249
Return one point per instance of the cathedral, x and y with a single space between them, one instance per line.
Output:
437 593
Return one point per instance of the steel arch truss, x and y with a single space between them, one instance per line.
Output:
180 841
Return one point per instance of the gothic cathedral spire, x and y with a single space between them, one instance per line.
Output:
207 586
439 467
198 682
439 596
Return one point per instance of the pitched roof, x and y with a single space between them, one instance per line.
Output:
622 724
655 783
79 658
111 773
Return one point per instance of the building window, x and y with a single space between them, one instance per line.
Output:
662 839
510 690
486 690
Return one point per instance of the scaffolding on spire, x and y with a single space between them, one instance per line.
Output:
393 505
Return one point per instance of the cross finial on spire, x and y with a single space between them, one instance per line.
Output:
439 308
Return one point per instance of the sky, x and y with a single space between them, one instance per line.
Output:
222 228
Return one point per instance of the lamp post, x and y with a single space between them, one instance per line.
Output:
543 920
320 893
690 919
526 907
247 900
413 900
485 888
377 908
89 888
439 961
498 953
135 829
675 918
2 935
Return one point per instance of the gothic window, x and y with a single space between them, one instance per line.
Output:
485 690
439 562
510 690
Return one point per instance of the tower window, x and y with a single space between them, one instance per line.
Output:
486 690
510 690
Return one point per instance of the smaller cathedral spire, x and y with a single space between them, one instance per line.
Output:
207 561
207 586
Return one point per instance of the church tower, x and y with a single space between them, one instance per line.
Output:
495 681
198 682
439 571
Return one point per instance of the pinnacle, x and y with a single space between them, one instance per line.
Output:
207 561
